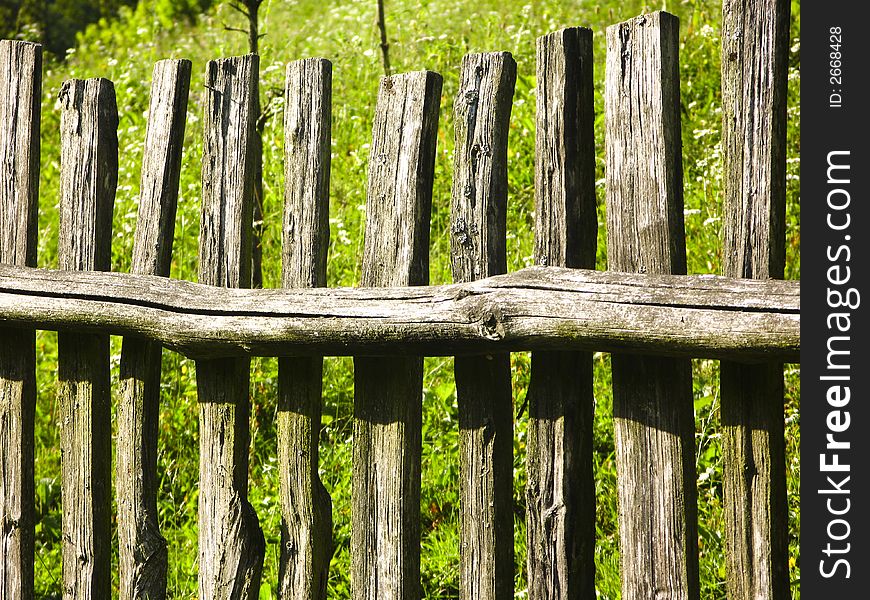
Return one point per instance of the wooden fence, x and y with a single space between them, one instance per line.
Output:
646 310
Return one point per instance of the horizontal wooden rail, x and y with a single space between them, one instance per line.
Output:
537 308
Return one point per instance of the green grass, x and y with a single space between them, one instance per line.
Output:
434 35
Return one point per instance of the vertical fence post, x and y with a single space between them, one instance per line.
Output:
306 532
652 397
20 96
754 88
385 538
231 543
89 176
483 383
561 490
142 553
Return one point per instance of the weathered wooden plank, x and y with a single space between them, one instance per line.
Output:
307 139
20 92
754 89
539 308
566 221
560 493
385 534
161 168
755 501
652 397
143 554
89 176
483 383
231 543
20 89
306 533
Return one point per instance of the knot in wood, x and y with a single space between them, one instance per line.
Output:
9 525
471 97
492 325
462 233
461 294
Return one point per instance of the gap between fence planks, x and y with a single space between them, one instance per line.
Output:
755 41
306 529
483 383
142 549
89 136
652 396
20 93
231 543
387 425
539 308
560 492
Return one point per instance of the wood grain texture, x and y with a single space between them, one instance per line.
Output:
755 501
400 173
652 397
481 113
227 172
306 531
560 493
755 41
566 221
307 151
483 383
89 176
385 533
643 146
161 168
20 93
142 552
539 308
231 543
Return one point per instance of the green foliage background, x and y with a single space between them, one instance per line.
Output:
433 34
55 23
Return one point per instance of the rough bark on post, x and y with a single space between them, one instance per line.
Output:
755 41
20 95
89 136
483 383
231 543
306 532
385 539
560 494
143 555
652 397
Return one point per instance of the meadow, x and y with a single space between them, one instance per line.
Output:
433 34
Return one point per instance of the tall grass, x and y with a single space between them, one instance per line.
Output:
432 34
